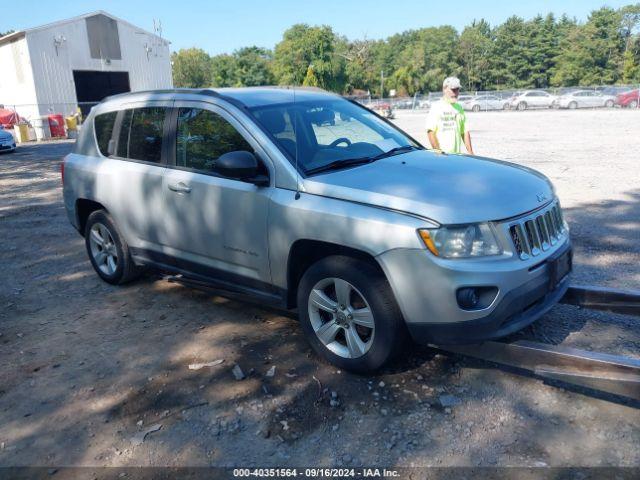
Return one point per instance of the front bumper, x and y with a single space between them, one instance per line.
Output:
430 309
519 308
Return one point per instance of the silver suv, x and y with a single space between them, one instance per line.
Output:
306 200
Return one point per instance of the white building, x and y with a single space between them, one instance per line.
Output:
56 67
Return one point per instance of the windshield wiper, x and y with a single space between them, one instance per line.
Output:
337 164
393 151
349 162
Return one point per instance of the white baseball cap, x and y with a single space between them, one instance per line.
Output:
451 82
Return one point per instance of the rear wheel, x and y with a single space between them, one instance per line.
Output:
633 104
349 314
608 104
476 108
107 249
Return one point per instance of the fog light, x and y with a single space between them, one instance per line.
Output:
467 298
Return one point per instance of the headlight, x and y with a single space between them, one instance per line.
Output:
463 241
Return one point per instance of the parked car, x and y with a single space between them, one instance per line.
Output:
7 142
383 109
485 102
532 99
585 99
404 104
358 227
630 99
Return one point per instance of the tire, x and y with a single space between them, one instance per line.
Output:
108 251
633 104
505 106
522 106
608 104
573 105
379 342
476 108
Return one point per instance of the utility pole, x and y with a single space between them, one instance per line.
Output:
381 84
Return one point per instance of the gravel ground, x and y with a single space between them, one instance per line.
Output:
88 368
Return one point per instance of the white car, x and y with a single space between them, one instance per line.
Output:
533 99
7 142
485 102
586 99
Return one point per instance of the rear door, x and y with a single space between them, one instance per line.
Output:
215 226
130 183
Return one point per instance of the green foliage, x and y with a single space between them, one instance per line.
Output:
191 68
537 53
2 34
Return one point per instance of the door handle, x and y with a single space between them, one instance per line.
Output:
179 187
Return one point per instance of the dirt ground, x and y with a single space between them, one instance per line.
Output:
87 368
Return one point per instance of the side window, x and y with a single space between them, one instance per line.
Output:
202 137
141 134
103 125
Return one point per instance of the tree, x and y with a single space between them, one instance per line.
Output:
310 79
191 68
253 67
302 46
223 71
592 53
2 34
474 50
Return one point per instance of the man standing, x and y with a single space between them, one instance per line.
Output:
447 125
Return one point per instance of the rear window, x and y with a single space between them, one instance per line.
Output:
141 134
103 125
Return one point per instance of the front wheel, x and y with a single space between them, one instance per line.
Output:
573 105
608 104
522 106
349 314
476 108
107 249
633 104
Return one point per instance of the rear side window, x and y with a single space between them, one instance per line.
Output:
203 136
141 134
103 125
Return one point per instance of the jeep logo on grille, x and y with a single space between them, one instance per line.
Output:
541 197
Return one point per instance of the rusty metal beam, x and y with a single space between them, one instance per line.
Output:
599 371
612 300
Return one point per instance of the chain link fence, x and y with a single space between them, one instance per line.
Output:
614 96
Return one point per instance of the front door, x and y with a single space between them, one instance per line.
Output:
214 225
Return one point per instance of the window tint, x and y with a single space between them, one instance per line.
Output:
103 125
203 136
141 134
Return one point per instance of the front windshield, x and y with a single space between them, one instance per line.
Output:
328 131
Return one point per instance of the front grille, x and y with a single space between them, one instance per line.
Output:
537 233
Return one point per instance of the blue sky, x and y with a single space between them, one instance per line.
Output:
223 26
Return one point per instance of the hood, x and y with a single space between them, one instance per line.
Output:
4 135
449 189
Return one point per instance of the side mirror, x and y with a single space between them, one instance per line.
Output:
241 165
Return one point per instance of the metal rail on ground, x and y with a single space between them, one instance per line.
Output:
599 371
607 373
612 300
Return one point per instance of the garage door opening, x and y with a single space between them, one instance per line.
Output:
92 87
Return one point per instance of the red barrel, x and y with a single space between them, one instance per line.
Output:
56 125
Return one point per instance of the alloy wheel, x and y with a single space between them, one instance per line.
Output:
341 317
103 249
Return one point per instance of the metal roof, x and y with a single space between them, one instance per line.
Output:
21 33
